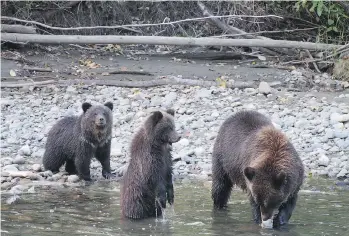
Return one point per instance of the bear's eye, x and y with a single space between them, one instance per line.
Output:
95 113
104 113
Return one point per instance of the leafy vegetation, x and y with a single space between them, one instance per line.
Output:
331 16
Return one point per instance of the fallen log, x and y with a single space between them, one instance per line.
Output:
38 69
21 29
20 85
132 84
159 40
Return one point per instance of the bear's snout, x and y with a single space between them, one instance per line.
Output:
100 120
174 138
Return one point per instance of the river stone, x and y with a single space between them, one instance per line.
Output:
342 134
343 173
182 142
323 160
25 151
250 91
6 185
155 101
73 178
264 88
39 153
46 173
36 167
18 160
203 93
10 168
170 98
20 174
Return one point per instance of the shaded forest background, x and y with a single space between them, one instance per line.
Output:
322 21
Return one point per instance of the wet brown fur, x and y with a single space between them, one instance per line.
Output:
249 146
147 183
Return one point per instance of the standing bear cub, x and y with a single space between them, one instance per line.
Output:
251 153
147 183
75 140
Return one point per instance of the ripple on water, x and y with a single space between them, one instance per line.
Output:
95 210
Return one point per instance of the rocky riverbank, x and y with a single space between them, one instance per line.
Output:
317 124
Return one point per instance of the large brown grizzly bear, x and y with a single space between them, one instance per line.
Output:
75 140
147 183
251 153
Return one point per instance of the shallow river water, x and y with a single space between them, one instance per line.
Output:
95 210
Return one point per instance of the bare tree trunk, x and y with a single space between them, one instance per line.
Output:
159 40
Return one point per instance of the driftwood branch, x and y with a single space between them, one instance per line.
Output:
20 85
120 72
38 69
264 32
68 29
18 29
220 24
134 25
231 29
158 40
15 57
290 68
314 63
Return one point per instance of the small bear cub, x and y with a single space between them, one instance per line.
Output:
148 179
75 140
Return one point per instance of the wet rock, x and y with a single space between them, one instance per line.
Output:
343 173
18 189
73 178
6 185
57 176
122 170
31 190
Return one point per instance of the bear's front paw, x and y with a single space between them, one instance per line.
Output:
108 175
170 197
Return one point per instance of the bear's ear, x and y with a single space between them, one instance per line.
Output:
109 105
171 112
279 179
86 106
156 117
250 173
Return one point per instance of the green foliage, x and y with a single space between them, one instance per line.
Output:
329 14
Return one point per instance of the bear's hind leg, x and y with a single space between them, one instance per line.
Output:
53 160
221 186
70 167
